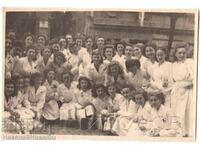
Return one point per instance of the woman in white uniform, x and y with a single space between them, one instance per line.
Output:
182 100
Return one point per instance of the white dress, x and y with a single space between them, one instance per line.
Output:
148 68
182 100
126 113
37 98
51 110
66 96
162 73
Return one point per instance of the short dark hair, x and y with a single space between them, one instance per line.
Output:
108 46
56 54
94 90
86 79
34 76
11 81
159 95
132 62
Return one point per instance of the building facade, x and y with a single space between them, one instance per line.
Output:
133 26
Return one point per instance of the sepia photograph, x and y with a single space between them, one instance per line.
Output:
100 74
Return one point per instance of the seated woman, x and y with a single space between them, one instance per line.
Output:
17 115
164 123
22 106
66 97
134 76
36 96
50 110
139 122
60 64
115 102
115 74
84 108
125 114
101 105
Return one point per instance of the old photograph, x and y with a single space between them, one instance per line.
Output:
113 74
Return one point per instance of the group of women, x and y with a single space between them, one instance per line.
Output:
126 89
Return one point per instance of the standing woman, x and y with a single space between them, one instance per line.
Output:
36 96
108 53
182 102
27 65
138 53
96 71
150 53
161 74
28 39
119 56
85 56
45 60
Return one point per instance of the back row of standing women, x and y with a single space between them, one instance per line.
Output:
69 79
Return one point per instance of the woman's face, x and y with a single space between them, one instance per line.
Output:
181 54
31 54
46 52
150 52
8 44
62 42
20 83
84 85
154 102
139 99
51 75
89 43
100 42
37 81
79 42
109 53
96 59
160 55
100 92
55 48
69 39
59 60
120 49
128 51
66 79
114 70
137 52
41 40
126 93
9 89
29 40
112 90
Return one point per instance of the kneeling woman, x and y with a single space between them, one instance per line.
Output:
50 111
126 113
66 97
101 105
164 123
36 96
84 106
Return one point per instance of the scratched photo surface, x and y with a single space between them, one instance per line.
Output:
99 74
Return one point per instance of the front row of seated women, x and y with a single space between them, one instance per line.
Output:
32 103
